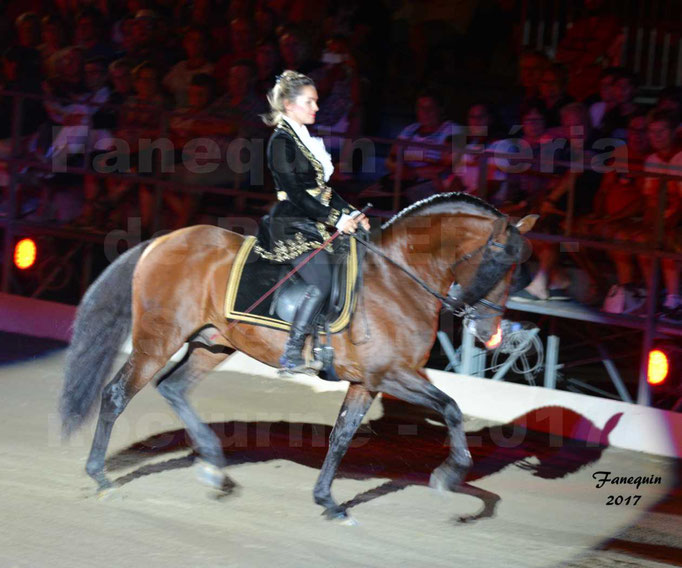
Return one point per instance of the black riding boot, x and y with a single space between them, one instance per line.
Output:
301 327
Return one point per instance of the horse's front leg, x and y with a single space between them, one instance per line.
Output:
415 388
355 406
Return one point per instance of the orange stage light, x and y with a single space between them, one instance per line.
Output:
25 253
658 367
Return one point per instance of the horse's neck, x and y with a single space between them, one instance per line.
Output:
428 245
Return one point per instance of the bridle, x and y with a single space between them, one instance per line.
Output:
458 307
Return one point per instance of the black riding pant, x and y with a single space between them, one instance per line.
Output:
317 271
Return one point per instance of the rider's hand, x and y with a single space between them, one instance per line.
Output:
362 220
349 226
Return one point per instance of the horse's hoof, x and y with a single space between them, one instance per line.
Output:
213 477
349 522
337 514
105 493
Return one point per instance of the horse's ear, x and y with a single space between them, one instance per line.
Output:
527 223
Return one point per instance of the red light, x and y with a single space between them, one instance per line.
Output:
495 340
657 370
25 253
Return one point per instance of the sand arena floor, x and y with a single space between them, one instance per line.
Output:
535 498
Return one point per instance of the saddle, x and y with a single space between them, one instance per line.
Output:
252 277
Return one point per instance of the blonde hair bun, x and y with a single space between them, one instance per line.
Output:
288 86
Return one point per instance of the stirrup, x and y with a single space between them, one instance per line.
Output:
307 368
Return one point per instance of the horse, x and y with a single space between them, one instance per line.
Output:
170 291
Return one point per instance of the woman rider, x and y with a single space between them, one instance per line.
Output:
297 224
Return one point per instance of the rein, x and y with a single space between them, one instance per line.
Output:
449 301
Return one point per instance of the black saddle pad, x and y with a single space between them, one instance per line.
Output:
252 277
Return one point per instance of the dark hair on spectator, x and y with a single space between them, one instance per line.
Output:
205 81
622 73
101 61
610 72
667 116
144 66
287 87
90 12
533 104
430 92
199 29
639 112
51 19
268 41
560 72
121 63
246 63
25 17
671 93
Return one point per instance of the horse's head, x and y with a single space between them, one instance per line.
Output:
484 283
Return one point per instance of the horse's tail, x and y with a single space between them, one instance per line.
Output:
102 322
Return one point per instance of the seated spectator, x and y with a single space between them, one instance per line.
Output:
141 113
615 121
20 72
269 66
242 48
593 42
120 77
52 34
339 115
190 126
266 23
527 184
424 169
618 205
71 103
532 65
480 136
670 99
89 34
146 42
553 94
550 282
607 100
140 118
294 51
665 159
178 79
27 26
241 106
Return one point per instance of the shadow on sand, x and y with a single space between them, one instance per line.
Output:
404 445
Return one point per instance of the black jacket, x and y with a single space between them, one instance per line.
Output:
306 207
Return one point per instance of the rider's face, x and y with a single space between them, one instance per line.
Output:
302 109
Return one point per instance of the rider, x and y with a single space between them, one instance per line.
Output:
297 224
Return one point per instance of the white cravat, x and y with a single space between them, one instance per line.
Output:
315 145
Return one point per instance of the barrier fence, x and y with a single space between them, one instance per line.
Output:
18 159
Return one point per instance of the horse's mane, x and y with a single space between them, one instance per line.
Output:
444 202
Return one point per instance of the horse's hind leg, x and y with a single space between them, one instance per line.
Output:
355 406
127 382
174 387
413 388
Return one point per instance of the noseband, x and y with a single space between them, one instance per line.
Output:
458 307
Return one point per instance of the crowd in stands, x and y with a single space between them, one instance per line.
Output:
106 75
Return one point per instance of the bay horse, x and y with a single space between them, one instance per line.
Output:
172 291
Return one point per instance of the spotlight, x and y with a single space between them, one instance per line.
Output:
25 252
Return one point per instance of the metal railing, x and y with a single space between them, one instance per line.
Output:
651 34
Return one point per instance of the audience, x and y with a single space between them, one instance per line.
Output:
189 70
